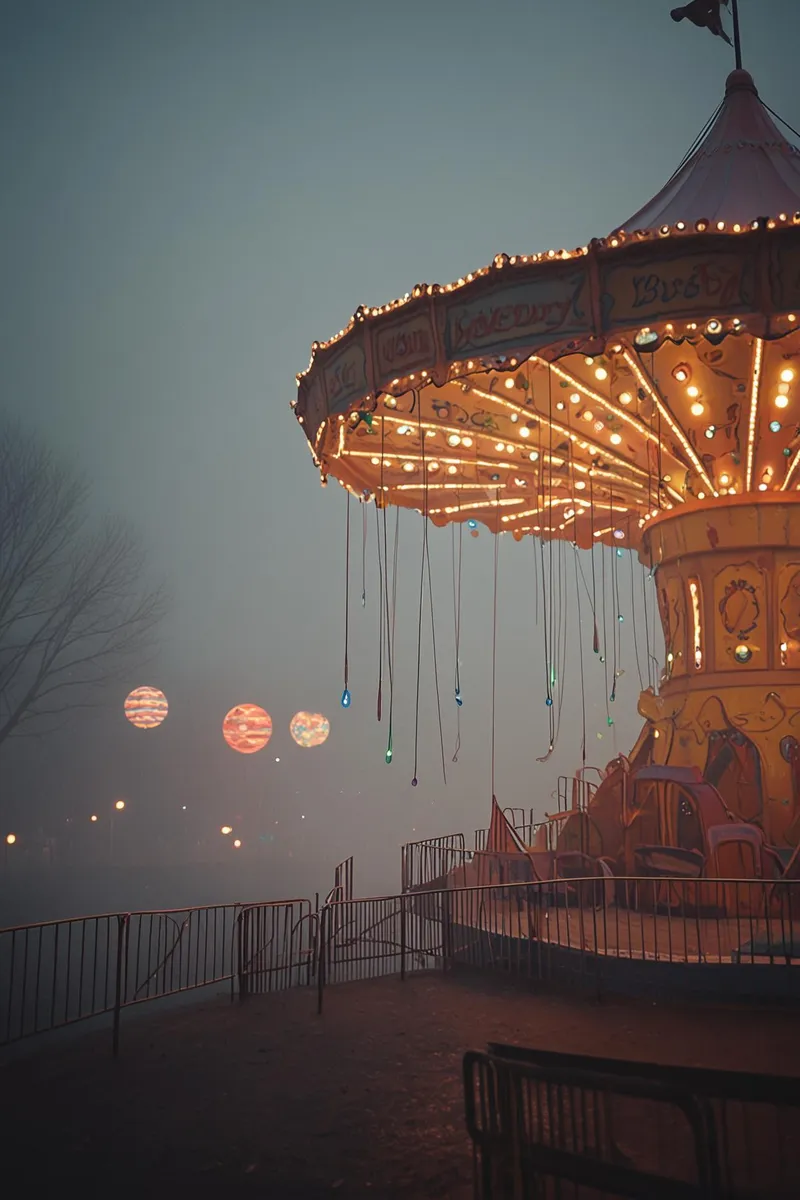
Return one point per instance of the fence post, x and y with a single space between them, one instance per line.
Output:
402 938
321 957
240 959
122 927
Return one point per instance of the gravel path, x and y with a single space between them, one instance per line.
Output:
266 1099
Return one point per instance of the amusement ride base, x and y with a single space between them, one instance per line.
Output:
728 583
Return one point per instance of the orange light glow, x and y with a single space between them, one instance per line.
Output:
247 728
309 729
146 707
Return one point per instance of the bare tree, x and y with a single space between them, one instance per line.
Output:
74 610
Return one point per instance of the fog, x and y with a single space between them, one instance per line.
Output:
193 192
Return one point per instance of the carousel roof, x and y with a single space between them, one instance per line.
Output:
743 169
578 394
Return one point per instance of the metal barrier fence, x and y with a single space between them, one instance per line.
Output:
58 973
423 863
276 946
630 1128
587 932
596 933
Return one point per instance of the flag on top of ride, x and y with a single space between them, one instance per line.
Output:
705 14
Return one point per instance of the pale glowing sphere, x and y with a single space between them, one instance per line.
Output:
787 375
146 707
10 839
93 817
309 729
236 844
226 829
247 728
119 805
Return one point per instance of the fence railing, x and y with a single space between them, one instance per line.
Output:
566 929
428 862
58 973
628 1128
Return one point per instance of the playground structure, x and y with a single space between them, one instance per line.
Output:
640 392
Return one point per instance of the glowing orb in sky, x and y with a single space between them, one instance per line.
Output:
247 728
309 729
146 707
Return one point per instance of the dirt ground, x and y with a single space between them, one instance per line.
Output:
266 1099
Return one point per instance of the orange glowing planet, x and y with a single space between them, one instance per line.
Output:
146 707
309 729
247 728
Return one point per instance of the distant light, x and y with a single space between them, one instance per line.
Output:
93 817
226 829
277 760
183 806
303 817
10 839
236 844
120 804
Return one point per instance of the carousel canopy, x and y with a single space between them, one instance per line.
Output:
742 169
579 394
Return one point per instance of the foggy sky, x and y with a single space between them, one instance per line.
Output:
193 191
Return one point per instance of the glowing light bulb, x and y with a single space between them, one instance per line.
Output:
237 844
601 373
524 432
93 817
346 698
692 391
409 467
580 484
574 397
781 401
625 398
120 804
709 433
454 440
725 479
509 383
452 470
226 829
697 409
615 439
499 447
534 454
588 416
11 839
775 426
467 441
787 375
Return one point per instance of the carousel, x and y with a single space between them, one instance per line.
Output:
640 394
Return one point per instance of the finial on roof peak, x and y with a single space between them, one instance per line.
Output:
740 81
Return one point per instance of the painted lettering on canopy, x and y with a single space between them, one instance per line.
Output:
717 283
402 346
346 378
524 315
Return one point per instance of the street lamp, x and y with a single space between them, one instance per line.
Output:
10 839
118 807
